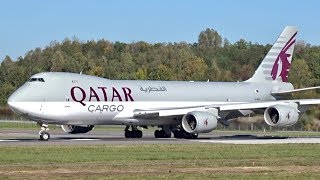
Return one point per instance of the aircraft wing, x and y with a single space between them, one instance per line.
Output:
154 113
266 104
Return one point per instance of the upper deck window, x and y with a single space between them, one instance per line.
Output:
36 79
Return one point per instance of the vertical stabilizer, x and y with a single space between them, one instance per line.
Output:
276 64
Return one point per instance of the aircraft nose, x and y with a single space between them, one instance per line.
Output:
12 101
17 100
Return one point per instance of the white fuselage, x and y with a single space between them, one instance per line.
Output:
68 98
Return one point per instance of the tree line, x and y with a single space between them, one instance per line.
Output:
212 58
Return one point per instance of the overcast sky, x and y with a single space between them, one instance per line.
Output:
26 25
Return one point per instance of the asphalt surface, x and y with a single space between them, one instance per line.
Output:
58 137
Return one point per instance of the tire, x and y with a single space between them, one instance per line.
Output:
157 134
44 136
167 135
163 134
127 134
194 136
134 134
186 135
177 134
139 134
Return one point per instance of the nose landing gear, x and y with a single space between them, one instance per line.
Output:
44 134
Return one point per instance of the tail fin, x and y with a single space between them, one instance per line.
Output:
276 64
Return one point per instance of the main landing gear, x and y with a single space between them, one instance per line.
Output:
134 133
178 133
44 135
165 132
162 134
182 134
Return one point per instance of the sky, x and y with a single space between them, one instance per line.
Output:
28 24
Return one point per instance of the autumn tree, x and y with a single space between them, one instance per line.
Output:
209 38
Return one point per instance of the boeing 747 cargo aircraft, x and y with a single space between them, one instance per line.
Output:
77 102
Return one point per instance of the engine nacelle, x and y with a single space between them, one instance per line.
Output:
281 115
199 122
76 129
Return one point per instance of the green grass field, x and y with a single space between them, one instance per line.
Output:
194 161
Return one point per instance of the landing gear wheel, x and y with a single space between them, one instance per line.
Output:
177 134
44 136
133 134
127 134
181 134
157 134
139 134
161 134
194 136
165 134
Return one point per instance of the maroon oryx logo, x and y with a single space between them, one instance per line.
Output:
283 59
206 122
288 115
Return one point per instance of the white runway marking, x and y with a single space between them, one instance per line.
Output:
84 139
8 140
264 141
213 141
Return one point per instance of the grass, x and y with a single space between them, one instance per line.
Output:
194 161
18 125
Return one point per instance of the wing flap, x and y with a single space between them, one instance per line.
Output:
145 115
149 114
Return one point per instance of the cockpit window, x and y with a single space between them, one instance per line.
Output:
36 79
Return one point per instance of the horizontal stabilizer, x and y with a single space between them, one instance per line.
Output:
294 90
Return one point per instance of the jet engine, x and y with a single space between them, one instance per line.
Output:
199 122
76 129
281 115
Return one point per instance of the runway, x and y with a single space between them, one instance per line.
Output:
30 137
